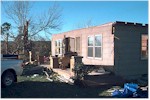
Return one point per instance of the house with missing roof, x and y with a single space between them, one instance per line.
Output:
120 47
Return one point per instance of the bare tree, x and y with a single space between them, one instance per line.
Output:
84 24
48 21
19 13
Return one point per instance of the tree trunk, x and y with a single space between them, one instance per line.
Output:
7 43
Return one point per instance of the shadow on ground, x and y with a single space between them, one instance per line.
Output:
108 79
31 89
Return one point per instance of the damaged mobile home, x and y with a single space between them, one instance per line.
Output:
119 47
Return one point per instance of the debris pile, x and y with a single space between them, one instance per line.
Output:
35 75
51 76
99 71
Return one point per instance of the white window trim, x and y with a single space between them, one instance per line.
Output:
98 58
61 45
90 46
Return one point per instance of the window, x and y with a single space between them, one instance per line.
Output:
58 47
98 46
95 46
90 46
144 47
56 50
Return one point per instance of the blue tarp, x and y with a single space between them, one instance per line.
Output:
129 90
131 86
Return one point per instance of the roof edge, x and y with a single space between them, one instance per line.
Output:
109 23
130 23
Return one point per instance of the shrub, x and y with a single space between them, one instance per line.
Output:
80 71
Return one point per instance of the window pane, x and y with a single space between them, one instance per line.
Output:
90 41
98 52
97 40
144 54
60 43
144 43
90 51
56 43
144 48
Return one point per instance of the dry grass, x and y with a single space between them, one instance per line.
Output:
33 84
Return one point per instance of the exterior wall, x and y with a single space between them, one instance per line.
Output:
127 46
121 47
107 43
107 46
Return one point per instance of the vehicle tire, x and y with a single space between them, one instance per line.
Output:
8 78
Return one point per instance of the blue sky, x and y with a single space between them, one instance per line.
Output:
103 12
75 12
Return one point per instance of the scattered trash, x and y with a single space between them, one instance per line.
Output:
59 78
144 88
63 79
26 63
114 88
100 71
46 74
35 75
49 79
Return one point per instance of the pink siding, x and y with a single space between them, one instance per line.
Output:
107 43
